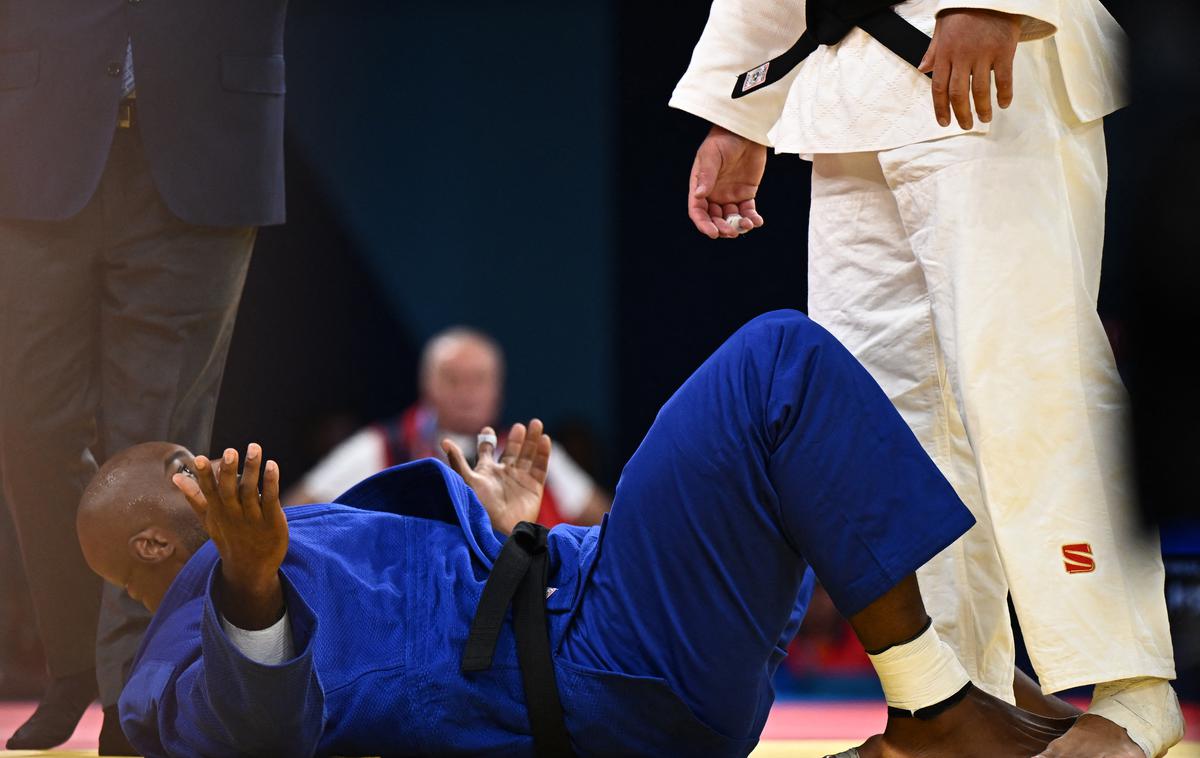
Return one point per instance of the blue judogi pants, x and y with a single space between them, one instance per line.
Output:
779 454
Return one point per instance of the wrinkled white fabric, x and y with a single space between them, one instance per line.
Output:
270 646
963 273
857 95
1146 708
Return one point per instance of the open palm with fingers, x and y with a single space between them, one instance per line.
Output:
510 488
249 529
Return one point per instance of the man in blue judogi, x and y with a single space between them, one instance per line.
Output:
379 624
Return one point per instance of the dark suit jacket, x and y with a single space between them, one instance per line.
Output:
210 92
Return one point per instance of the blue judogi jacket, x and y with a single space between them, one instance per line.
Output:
381 590
779 457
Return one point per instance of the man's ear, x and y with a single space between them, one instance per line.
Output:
152 545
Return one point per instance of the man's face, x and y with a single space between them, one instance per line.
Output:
145 564
464 385
148 584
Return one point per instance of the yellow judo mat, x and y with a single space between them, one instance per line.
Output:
819 722
767 749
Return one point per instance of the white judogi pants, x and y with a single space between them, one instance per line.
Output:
963 273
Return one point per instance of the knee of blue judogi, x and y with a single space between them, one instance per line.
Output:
858 496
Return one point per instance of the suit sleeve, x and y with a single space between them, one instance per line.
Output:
739 35
227 704
1041 18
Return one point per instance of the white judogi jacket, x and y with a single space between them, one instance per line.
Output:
857 95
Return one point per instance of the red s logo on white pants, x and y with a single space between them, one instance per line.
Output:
1078 558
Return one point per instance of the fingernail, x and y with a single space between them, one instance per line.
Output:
229 455
944 122
271 467
201 462
252 452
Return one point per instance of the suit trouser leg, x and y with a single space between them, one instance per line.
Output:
170 297
48 400
867 288
779 453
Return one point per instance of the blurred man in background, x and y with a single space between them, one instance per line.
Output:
462 387
142 148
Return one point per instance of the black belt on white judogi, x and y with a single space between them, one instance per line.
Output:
829 21
519 578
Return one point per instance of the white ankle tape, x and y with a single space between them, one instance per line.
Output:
920 673
1146 708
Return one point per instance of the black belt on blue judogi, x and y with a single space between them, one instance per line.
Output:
828 22
519 578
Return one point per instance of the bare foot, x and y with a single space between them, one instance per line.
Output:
979 725
1093 737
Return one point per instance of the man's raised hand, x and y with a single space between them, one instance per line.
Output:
968 45
250 532
724 182
511 488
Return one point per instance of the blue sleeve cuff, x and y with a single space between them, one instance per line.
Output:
303 620
269 708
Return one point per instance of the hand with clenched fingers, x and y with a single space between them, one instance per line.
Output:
724 184
250 532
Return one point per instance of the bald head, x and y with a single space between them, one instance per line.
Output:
135 527
462 378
